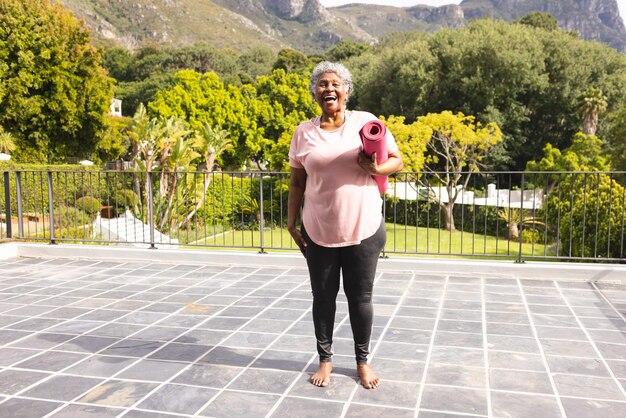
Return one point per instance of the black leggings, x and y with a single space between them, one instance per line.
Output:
358 265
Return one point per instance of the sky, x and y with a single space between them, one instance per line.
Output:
406 3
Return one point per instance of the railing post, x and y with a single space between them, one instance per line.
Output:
262 218
20 210
150 210
51 207
7 200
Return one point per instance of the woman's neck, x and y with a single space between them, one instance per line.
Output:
330 122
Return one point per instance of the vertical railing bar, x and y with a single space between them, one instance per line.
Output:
43 206
149 193
51 207
18 196
271 209
417 213
582 248
7 204
262 219
439 220
496 208
428 215
622 217
558 215
533 211
544 205
521 224
610 220
571 218
508 249
595 243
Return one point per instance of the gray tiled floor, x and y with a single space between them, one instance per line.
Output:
107 339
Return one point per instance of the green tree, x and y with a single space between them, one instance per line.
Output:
585 205
202 98
585 154
53 91
616 140
540 20
524 78
346 49
395 78
291 61
284 101
412 141
591 213
255 62
457 145
114 143
211 143
117 60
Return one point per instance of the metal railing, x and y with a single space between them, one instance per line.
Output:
514 215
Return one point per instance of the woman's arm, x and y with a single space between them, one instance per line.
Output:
297 186
392 165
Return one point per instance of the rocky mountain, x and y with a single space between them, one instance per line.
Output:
308 26
592 19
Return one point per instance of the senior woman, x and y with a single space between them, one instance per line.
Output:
343 231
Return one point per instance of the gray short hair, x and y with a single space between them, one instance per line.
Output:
330 67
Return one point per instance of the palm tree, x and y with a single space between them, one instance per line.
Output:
176 154
515 218
591 104
211 142
7 142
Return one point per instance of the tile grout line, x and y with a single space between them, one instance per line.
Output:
595 285
103 380
55 373
430 347
593 344
541 350
137 360
347 403
486 348
161 384
263 351
313 358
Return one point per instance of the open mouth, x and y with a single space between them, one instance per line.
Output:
329 99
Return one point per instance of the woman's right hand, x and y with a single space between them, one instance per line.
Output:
299 240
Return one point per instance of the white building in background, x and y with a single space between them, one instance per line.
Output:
116 107
504 198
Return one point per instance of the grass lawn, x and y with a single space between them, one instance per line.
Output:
401 240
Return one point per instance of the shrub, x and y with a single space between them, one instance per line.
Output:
67 217
89 204
590 216
126 198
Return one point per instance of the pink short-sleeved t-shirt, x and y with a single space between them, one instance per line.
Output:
342 204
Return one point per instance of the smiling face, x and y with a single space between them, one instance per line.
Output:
331 93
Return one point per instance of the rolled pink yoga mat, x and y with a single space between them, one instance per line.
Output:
373 138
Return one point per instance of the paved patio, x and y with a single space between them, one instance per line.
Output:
93 338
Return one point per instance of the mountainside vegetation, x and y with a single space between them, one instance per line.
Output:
307 26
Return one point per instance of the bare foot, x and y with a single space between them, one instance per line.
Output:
321 377
368 379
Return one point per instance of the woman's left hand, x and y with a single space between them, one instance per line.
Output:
368 164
